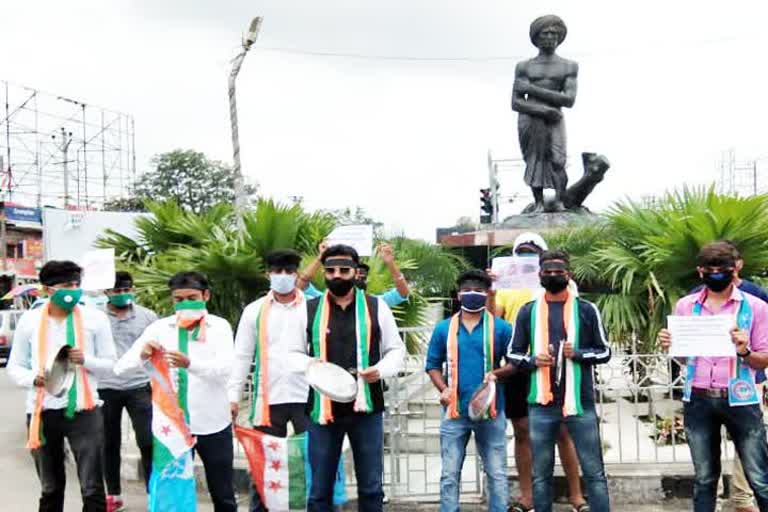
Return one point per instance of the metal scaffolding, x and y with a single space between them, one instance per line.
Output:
63 152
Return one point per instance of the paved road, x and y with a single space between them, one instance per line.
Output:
20 489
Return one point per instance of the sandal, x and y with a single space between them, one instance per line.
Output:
518 507
582 508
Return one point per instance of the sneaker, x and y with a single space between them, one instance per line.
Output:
115 504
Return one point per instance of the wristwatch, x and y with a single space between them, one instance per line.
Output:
747 354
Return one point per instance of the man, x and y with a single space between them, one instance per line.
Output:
74 415
543 86
278 395
199 346
131 391
558 338
333 329
473 344
507 305
721 391
392 297
741 495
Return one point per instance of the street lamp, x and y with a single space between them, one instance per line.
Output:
237 62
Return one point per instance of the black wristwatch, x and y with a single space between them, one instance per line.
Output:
747 354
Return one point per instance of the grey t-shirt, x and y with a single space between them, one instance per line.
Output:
125 332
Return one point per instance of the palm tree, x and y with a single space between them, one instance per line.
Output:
645 256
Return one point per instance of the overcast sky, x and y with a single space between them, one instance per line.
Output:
664 88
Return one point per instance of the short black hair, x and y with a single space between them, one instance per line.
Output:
55 272
283 259
717 254
474 275
736 251
341 250
123 279
364 266
555 255
189 280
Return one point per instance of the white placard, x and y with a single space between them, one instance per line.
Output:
98 269
701 336
516 273
359 236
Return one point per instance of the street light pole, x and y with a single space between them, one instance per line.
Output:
237 62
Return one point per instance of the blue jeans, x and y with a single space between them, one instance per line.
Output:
366 438
491 443
544 425
703 419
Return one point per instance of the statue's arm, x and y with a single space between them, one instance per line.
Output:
566 98
519 103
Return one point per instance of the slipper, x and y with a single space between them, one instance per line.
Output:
519 507
582 508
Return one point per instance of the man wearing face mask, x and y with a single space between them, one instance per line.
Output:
130 391
344 323
199 349
558 338
392 297
75 415
279 396
471 345
507 304
721 391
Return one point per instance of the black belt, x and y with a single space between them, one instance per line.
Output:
710 393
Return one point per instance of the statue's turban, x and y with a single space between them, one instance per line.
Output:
547 21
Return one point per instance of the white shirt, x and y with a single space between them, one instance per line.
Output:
210 362
99 352
287 327
392 347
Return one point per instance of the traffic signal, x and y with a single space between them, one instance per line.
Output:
486 205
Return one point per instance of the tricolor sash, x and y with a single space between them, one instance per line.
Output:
541 387
453 360
80 395
321 408
259 415
741 384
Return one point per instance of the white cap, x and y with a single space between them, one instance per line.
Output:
530 238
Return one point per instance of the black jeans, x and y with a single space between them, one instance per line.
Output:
280 415
85 435
217 454
138 403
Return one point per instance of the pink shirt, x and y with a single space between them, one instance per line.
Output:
714 372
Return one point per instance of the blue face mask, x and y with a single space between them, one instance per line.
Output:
282 283
473 302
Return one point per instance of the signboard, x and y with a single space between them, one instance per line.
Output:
22 267
33 249
21 215
358 236
516 273
98 269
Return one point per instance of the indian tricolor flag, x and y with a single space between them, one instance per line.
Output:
277 468
172 484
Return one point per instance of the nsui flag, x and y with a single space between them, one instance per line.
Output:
277 468
172 484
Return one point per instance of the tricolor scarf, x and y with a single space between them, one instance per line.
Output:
80 396
321 409
453 360
259 416
541 388
189 327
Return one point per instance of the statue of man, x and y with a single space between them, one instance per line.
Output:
543 86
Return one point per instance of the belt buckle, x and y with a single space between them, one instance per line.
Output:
715 393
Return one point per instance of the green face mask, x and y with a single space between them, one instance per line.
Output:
122 300
67 299
190 305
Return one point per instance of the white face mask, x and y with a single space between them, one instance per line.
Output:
282 283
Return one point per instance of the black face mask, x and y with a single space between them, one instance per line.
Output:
362 284
339 286
717 281
554 284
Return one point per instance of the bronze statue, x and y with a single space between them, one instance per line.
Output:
543 86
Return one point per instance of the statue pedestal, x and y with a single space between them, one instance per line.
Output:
543 222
